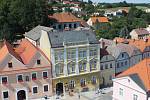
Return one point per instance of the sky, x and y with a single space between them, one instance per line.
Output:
129 1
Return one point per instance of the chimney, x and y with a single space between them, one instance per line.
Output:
102 44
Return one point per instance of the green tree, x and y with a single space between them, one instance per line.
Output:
19 16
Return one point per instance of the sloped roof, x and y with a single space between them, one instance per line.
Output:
57 39
141 44
35 33
64 17
141 31
8 49
26 50
142 69
115 50
99 19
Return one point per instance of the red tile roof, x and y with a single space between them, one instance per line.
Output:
142 69
64 17
100 19
141 31
25 52
141 44
8 49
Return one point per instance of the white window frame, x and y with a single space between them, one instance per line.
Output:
73 82
17 77
120 91
43 72
3 95
48 88
135 97
32 90
2 77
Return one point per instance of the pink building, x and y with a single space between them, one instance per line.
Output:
25 72
134 83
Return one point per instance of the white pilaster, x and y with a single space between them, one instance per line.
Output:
77 59
53 62
88 59
98 59
65 62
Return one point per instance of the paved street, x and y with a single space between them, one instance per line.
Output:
90 95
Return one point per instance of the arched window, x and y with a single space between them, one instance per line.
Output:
93 64
71 68
59 68
82 66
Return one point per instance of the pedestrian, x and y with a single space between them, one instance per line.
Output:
79 95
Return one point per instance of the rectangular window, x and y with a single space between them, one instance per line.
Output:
4 80
110 65
75 25
101 67
35 90
94 80
126 62
93 52
71 84
118 65
59 26
34 76
27 78
20 78
46 88
38 62
83 82
10 65
59 56
71 54
5 95
106 66
135 97
82 54
121 91
45 75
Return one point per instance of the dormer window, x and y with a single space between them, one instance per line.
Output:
10 65
38 62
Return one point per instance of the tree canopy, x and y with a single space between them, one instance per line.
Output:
19 16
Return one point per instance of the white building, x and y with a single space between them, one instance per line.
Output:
133 84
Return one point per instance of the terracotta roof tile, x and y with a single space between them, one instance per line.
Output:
141 44
64 17
142 69
8 49
100 19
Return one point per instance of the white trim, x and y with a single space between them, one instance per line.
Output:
37 90
48 88
17 77
3 96
2 77
19 89
45 71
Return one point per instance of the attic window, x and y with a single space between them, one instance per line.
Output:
10 65
56 36
38 62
